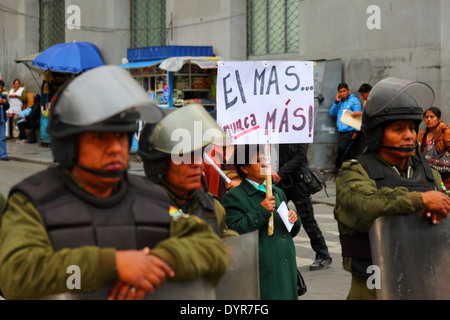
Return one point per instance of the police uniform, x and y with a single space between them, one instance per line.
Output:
52 223
355 213
371 187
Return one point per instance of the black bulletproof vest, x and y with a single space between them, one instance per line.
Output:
423 179
206 210
358 246
135 216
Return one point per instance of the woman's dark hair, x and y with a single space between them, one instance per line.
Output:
242 156
435 110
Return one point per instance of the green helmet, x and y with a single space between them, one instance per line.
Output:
181 132
393 99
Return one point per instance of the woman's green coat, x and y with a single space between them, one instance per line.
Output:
277 257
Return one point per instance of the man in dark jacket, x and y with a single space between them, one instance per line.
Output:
288 178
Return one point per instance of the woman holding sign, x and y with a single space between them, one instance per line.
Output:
248 209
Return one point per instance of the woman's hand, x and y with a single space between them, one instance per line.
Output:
293 217
269 203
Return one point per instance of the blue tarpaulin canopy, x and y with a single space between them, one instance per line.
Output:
73 57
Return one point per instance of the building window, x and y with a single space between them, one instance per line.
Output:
148 23
273 26
51 22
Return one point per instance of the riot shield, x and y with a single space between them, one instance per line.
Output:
413 256
241 282
199 289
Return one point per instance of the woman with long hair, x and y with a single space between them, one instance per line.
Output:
440 131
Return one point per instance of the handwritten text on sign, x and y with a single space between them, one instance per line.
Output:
266 101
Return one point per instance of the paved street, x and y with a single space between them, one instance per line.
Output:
330 284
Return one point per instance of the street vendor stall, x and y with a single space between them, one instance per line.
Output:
175 76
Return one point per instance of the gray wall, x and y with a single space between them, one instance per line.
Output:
19 38
106 23
412 42
217 23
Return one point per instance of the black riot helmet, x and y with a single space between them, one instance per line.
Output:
104 99
393 99
181 132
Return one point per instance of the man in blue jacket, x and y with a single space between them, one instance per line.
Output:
344 101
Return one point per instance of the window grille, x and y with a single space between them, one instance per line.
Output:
148 23
51 22
272 26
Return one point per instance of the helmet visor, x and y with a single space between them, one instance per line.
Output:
185 130
101 93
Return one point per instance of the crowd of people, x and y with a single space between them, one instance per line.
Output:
130 234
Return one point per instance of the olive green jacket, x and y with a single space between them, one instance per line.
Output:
31 269
359 202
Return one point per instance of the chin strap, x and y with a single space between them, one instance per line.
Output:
400 149
103 173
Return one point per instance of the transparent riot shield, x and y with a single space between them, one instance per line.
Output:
413 257
241 282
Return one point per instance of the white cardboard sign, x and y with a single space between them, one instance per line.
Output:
262 102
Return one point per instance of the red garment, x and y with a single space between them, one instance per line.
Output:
212 177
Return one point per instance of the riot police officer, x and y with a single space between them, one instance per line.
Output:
89 214
172 152
389 179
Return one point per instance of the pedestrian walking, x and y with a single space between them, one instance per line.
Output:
289 179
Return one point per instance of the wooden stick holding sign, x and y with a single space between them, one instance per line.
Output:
268 186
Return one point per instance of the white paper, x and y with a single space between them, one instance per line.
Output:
283 211
350 121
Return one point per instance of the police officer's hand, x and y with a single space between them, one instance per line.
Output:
436 206
125 291
269 203
142 270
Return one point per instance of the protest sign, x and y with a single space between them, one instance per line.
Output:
262 102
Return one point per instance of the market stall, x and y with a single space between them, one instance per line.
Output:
175 76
